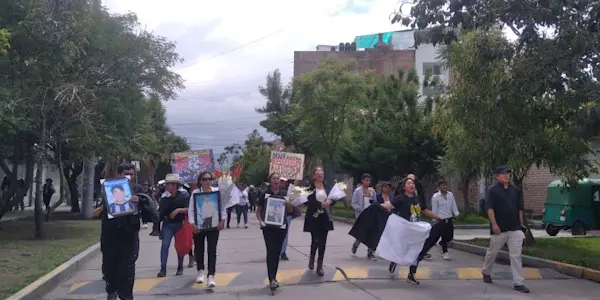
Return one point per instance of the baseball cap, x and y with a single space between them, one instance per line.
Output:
502 169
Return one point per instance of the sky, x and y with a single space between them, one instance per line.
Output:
230 46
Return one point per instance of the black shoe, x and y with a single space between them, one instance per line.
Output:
162 272
411 279
179 271
370 255
487 278
112 296
354 248
521 288
284 256
274 285
427 256
392 268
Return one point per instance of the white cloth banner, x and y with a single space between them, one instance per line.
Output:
225 184
402 241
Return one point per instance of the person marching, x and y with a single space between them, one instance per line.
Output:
443 204
363 197
408 206
120 243
173 210
386 193
505 211
241 208
273 234
211 236
318 220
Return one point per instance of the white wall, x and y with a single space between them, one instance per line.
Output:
427 53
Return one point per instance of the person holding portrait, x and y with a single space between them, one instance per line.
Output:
205 229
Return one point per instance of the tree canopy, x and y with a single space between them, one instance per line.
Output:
81 82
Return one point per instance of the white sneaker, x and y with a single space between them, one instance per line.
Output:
446 256
211 281
200 277
145 226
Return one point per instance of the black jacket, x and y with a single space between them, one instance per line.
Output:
169 204
321 223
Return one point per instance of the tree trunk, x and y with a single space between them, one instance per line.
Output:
465 184
89 172
529 239
71 174
38 213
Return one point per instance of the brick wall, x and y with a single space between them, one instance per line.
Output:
534 188
382 60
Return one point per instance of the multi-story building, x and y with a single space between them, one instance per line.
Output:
381 58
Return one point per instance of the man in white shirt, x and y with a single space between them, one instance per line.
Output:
443 204
363 197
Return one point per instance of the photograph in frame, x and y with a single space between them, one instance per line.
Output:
275 211
117 197
208 210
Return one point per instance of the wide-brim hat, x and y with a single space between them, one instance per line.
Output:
173 178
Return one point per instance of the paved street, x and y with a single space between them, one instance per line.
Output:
241 274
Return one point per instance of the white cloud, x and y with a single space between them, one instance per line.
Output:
231 23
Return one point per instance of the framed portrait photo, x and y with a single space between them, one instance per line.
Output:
117 197
208 210
275 211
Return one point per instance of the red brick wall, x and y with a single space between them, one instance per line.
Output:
382 60
534 188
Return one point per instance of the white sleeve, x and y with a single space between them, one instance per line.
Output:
191 210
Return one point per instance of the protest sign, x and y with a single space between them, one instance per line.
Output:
286 164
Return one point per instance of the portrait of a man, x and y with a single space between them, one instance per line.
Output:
119 204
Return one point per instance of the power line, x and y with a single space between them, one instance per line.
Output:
249 43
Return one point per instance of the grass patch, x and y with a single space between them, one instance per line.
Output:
580 251
471 219
24 260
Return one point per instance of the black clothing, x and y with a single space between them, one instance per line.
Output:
273 235
318 243
506 203
119 244
273 242
262 202
169 204
212 238
321 223
118 261
403 203
229 211
447 234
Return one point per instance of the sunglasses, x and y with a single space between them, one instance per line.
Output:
206 179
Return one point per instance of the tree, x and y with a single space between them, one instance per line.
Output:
323 101
493 107
253 156
277 108
392 133
4 38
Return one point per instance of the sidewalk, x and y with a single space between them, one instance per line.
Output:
241 266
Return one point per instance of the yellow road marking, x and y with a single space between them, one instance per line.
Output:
146 284
77 285
221 280
469 273
288 276
531 273
422 273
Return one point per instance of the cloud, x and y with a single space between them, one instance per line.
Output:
217 106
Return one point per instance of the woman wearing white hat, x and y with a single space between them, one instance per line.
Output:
173 210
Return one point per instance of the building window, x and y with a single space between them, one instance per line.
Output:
434 68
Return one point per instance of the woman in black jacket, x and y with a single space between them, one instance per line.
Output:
273 234
173 211
318 220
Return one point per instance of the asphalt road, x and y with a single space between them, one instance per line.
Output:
241 274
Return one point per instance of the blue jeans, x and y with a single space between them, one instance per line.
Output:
241 210
288 221
167 234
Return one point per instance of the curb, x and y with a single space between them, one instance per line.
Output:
37 289
535 262
456 226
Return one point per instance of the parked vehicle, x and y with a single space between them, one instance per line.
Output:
575 208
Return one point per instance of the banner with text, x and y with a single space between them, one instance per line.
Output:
288 165
191 163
